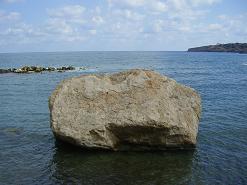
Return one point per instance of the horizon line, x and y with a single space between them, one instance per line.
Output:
63 51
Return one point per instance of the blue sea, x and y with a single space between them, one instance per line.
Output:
29 154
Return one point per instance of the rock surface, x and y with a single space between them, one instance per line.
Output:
37 69
131 110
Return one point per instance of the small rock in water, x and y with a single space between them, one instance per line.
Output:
70 68
83 68
33 68
4 71
130 110
20 71
37 69
51 69
15 131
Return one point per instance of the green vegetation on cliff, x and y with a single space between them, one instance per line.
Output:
231 47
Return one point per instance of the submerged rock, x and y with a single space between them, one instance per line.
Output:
13 130
4 71
131 110
82 68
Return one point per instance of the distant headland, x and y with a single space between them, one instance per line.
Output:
230 47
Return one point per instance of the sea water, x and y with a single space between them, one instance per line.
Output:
29 153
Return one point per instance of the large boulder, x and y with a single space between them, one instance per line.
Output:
131 110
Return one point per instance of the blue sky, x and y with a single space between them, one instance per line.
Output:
72 25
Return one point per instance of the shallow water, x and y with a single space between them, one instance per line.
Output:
29 153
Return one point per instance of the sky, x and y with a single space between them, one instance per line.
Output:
125 25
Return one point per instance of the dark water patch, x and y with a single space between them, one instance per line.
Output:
78 166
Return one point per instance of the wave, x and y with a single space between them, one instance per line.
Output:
85 69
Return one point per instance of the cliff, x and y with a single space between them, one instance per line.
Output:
231 47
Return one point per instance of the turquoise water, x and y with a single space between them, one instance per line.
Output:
29 153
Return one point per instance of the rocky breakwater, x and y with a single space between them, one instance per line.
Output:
36 69
131 110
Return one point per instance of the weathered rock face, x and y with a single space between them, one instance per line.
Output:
132 110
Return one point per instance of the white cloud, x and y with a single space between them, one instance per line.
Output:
93 32
182 9
159 6
158 26
227 29
133 15
204 2
154 5
128 14
214 27
21 33
9 16
71 11
65 23
71 14
61 30
98 20
126 21
135 2
222 17
178 4
58 26
130 3
97 9
12 1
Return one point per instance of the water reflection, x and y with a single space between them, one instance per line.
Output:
77 166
